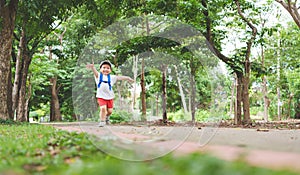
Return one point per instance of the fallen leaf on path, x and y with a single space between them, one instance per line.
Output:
35 167
263 130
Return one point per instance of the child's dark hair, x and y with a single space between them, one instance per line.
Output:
107 62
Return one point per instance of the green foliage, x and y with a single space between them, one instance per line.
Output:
202 115
120 117
255 110
8 122
177 116
288 58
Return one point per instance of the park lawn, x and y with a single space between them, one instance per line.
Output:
40 149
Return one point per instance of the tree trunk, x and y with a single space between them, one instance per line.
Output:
246 101
266 99
119 87
157 103
278 80
232 101
9 95
28 96
247 64
135 73
20 113
289 106
278 104
8 11
20 85
238 116
143 84
182 95
19 62
143 93
55 114
193 96
264 88
164 93
297 110
264 78
190 99
245 88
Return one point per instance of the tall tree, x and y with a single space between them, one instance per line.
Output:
55 114
243 72
8 11
264 82
36 21
181 90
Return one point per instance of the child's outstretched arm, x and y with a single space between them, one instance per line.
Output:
92 67
125 78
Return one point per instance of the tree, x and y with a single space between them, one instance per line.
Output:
264 78
242 72
7 23
182 94
293 9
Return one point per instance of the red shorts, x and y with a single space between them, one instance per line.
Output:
107 103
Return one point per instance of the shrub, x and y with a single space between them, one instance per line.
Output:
255 109
202 115
177 116
120 116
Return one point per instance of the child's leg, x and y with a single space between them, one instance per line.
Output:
109 111
110 105
103 112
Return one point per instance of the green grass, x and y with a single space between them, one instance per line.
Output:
40 149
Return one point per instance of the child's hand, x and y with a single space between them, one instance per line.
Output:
130 80
90 66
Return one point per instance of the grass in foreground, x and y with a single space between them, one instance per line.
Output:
39 149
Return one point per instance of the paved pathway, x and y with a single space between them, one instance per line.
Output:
276 149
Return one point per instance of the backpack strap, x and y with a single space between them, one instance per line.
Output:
101 80
108 78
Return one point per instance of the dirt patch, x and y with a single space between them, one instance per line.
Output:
259 124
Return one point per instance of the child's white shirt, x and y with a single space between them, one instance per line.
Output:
104 91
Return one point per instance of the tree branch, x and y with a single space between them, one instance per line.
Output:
208 35
292 9
251 40
211 43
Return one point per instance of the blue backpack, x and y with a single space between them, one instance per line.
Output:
101 80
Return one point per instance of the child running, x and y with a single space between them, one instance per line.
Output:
105 93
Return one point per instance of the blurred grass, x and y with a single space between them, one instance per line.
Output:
40 149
